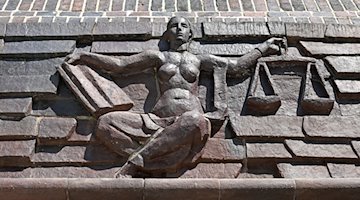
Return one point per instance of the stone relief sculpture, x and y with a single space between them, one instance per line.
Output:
174 133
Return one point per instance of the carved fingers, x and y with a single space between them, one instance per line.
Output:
272 46
73 58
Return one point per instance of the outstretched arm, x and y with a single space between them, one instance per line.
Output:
244 63
137 62
222 66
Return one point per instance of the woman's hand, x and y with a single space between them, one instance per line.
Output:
272 46
74 57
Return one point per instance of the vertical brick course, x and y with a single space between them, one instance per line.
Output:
2 2
247 5
90 5
273 5
12 5
117 5
310 5
298 5
143 5
209 5
346 11
285 5
25 5
336 5
130 4
323 5
349 5
156 5
260 5
51 4
195 5
357 3
104 5
234 5
182 5
65 5
222 5
78 5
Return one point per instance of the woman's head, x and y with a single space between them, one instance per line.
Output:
179 30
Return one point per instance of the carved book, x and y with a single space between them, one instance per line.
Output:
98 94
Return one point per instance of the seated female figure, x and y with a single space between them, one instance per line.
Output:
173 135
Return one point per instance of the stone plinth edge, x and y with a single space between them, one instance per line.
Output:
192 189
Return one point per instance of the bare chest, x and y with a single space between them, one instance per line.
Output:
184 65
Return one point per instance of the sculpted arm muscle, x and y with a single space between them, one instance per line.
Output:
244 63
137 62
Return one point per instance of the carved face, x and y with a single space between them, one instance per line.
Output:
179 29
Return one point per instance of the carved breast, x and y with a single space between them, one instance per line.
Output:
184 65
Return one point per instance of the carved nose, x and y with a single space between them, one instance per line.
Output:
179 27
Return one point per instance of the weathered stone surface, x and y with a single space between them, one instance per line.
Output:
327 189
161 189
84 132
343 170
142 90
60 172
342 31
213 170
29 67
84 189
98 94
123 28
356 145
58 47
235 29
124 46
288 89
58 29
75 154
266 150
250 189
56 129
29 84
332 126
305 30
58 107
16 153
303 171
349 109
217 149
33 189
221 48
2 29
255 175
321 48
262 97
276 28
15 106
158 29
286 126
23 129
348 89
344 66
302 149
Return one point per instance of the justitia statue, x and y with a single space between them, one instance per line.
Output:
173 135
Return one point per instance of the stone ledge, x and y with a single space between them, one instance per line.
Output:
140 189
139 30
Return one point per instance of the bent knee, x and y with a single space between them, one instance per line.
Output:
118 118
194 119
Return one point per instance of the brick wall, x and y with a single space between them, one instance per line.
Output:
301 11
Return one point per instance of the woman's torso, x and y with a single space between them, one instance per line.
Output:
178 82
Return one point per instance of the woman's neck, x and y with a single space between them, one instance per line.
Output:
179 46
